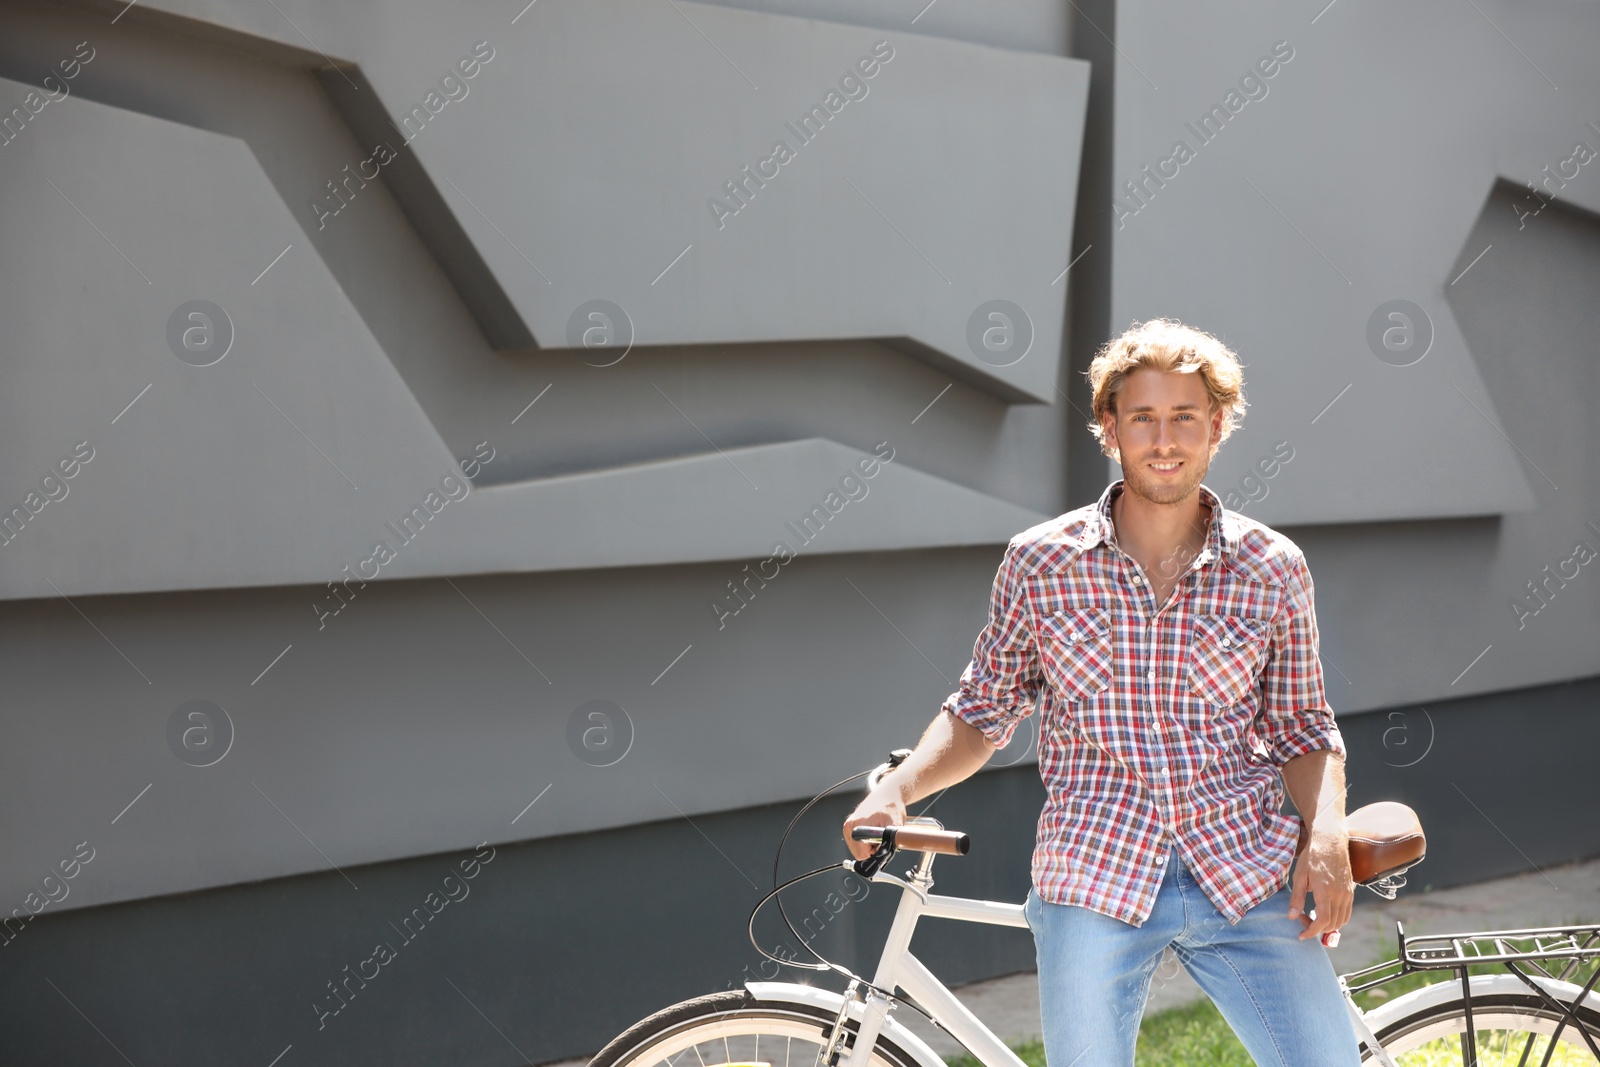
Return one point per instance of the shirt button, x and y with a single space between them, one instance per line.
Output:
1151 675
1225 642
1163 772
1137 579
1160 860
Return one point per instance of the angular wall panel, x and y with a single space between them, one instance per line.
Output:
915 197
282 458
1352 179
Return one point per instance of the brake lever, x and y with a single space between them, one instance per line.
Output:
872 864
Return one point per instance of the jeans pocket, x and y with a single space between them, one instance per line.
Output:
1030 911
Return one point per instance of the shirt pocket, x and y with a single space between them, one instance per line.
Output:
1225 656
1075 647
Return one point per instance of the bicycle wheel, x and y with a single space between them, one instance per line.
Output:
1511 1030
734 1029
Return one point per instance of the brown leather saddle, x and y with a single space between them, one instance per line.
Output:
1385 840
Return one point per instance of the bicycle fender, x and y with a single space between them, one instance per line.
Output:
893 1029
1483 985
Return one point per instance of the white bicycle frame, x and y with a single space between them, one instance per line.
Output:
899 969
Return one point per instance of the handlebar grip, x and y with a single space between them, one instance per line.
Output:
920 839
915 838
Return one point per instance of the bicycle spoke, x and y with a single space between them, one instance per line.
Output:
745 1036
1498 1048
734 1049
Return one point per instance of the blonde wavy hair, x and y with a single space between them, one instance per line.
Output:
1166 345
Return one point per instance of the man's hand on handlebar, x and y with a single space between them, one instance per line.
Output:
881 807
949 752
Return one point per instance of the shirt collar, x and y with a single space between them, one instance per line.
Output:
1222 538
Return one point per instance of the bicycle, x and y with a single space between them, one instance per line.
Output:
1525 1016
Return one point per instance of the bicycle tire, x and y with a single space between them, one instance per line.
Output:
734 1015
1497 1013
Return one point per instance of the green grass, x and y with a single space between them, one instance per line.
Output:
1196 1035
1192 1035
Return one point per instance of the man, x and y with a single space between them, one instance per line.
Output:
1170 648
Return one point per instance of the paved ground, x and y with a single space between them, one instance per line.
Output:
1010 1006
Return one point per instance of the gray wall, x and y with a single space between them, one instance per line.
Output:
358 372
425 324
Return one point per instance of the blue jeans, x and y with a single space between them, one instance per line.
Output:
1278 993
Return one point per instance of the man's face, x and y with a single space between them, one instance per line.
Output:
1165 430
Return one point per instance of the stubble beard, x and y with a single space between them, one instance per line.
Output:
1166 492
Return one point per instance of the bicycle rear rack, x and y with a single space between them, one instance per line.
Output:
1572 944
1554 952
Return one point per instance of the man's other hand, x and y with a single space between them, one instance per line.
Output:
1323 869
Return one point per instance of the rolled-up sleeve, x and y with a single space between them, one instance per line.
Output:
1295 717
1001 683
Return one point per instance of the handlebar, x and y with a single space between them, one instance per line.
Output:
908 836
915 838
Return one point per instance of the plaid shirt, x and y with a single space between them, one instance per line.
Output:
1160 724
